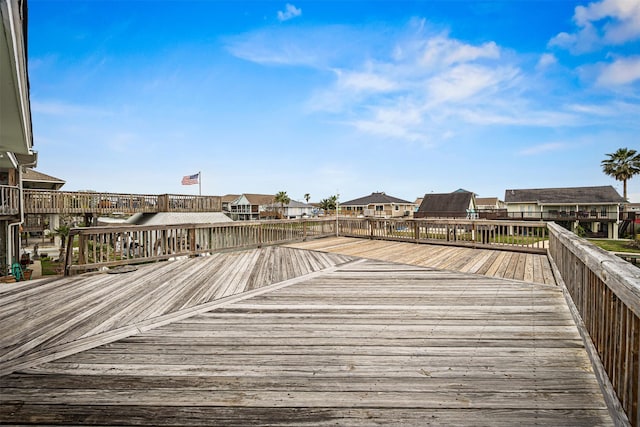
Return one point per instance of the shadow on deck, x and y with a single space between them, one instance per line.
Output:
281 335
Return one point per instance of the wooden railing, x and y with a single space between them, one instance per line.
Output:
78 202
118 245
603 291
92 248
507 235
606 293
9 200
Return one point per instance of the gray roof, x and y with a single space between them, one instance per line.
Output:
569 195
171 218
375 198
296 204
456 202
33 179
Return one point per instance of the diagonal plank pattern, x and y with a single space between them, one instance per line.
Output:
38 318
534 268
364 343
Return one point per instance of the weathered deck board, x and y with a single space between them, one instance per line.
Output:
361 343
35 318
533 268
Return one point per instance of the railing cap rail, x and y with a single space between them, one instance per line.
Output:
620 276
132 227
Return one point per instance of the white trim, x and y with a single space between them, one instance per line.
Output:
17 57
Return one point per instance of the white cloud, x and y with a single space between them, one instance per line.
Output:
546 60
622 71
364 81
290 12
542 148
607 22
463 82
442 50
419 85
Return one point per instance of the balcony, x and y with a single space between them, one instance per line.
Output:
9 200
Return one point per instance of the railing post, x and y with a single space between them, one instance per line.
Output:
191 232
304 230
83 250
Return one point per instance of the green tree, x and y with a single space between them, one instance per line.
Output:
622 165
329 204
63 232
283 199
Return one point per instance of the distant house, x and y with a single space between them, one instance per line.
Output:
378 205
227 200
248 207
595 209
489 203
44 222
32 179
295 209
459 204
491 208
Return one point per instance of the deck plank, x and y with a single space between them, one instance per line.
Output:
353 342
533 268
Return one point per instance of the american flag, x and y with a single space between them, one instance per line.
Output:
190 179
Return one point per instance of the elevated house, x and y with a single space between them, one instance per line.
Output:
227 200
459 204
39 223
295 209
596 210
491 208
249 207
489 203
16 138
378 205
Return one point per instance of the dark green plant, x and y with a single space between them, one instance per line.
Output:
622 165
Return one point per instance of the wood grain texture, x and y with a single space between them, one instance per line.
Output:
354 343
533 268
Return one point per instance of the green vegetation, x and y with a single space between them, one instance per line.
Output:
283 198
616 245
329 204
622 165
50 267
518 240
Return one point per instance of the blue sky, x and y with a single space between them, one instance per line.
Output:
326 97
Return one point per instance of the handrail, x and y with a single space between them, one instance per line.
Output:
504 235
606 293
128 244
91 248
9 200
83 202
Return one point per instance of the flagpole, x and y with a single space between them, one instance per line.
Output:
199 183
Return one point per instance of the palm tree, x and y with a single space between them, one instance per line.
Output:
283 199
63 232
622 165
329 204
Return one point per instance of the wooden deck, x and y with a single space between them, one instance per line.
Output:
315 339
532 268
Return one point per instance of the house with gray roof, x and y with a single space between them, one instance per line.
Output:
249 207
33 179
594 209
378 204
295 209
459 204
